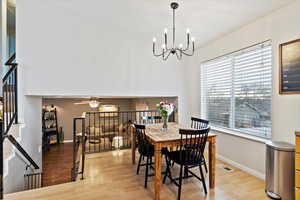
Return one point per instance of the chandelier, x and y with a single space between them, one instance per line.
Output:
175 50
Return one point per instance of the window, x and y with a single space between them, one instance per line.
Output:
236 90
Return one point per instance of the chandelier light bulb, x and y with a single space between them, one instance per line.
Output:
180 46
154 40
165 30
188 31
193 39
163 46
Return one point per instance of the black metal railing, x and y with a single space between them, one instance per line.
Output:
33 181
10 115
106 131
22 151
78 148
10 95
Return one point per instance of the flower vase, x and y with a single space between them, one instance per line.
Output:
165 123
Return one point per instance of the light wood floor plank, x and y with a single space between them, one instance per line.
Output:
111 176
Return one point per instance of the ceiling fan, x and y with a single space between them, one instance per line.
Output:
93 102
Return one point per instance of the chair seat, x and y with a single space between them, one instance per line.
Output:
148 150
180 157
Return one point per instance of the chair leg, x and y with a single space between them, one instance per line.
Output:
139 165
146 173
203 179
168 171
205 165
180 183
186 172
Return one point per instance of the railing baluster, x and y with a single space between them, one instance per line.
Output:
5 107
100 132
89 133
10 98
104 138
118 128
95 137
109 129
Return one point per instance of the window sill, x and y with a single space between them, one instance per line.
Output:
241 135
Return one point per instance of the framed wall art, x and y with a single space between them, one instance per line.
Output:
289 64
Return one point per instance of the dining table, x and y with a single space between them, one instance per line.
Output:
170 137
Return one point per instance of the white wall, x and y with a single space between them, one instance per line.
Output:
31 140
280 26
85 48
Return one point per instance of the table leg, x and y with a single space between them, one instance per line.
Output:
133 146
212 162
157 184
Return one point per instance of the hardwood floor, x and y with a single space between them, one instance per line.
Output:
57 164
111 176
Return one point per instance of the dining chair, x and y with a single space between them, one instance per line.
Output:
198 123
146 150
190 153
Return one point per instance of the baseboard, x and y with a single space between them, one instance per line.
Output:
242 167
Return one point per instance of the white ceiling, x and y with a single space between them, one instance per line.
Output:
144 19
207 19
210 19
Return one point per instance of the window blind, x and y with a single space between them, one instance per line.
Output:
236 90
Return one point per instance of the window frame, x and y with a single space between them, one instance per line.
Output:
232 118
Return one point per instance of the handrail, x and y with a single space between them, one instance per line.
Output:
22 150
122 111
10 113
10 95
10 62
11 59
14 66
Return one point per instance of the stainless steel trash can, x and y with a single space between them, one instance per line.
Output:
280 170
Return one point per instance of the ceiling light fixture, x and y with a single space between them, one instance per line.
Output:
94 103
177 50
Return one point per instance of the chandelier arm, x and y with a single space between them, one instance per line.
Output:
187 48
157 55
167 49
187 42
166 40
165 58
187 54
193 49
180 55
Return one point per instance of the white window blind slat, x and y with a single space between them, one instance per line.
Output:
236 90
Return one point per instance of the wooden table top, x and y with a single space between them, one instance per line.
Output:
156 134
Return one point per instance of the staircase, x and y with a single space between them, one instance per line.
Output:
14 158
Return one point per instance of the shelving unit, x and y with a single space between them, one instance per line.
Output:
50 127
